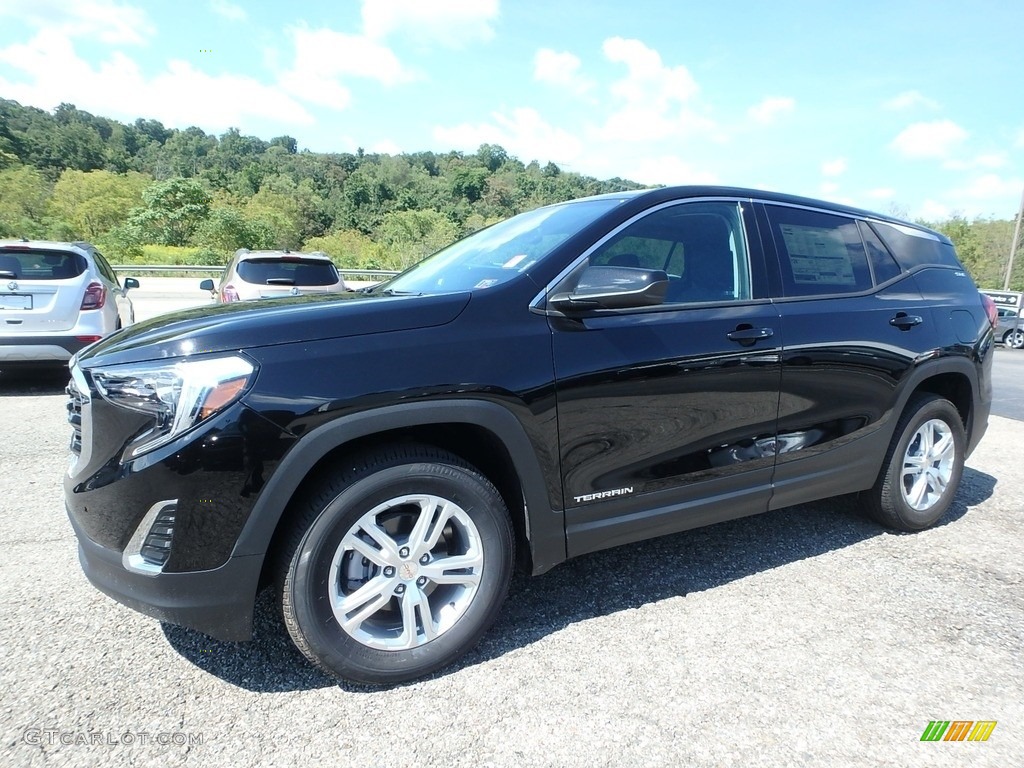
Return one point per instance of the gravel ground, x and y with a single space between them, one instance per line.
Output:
802 637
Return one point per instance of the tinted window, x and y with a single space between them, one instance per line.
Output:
40 264
819 253
699 245
104 266
882 263
294 271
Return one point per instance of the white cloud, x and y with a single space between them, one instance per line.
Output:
909 100
835 167
991 160
828 188
524 134
451 23
925 140
655 100
560 69
881 193
180 95
990 186
229 10
107 20
323 57
385 147
669 170
931 210
770 109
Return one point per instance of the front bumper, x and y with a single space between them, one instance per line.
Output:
218 602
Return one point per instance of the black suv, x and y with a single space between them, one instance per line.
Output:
577 377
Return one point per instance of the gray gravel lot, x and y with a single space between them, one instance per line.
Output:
803 637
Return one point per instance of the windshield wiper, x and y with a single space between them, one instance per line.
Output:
394 292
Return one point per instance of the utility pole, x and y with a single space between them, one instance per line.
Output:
1013 245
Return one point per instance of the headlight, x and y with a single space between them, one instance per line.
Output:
177 395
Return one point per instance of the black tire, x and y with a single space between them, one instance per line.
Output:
896 501
326 562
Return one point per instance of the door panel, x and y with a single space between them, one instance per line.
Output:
660 412
846 351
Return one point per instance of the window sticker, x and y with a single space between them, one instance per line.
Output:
485 283
513 262
818 255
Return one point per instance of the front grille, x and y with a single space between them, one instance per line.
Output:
75 402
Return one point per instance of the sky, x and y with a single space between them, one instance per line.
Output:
899 106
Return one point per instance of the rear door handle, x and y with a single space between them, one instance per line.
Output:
750 335
905 322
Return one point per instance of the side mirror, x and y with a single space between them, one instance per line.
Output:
207 285
614 288
130 282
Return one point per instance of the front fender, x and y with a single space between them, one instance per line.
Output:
545 526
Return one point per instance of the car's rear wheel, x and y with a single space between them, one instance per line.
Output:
1014 339
922 467
397 565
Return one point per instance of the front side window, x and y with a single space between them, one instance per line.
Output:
820 254
700 246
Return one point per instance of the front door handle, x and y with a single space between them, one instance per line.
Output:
749 335
905 322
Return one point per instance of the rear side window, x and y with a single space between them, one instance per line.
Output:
882 262
36 264
819 253
296 271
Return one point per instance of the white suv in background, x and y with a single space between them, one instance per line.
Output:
275 275
55 299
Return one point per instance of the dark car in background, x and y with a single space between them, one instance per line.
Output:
55 299
275 275
578 377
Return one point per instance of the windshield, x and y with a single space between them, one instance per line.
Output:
494 255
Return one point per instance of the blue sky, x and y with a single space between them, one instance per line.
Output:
913 107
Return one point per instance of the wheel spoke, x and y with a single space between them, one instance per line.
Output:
388 546
352 610
416 613
356 543
434 515
944 447
918 490
468 566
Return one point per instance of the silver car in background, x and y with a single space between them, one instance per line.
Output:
1011 328
276 274
55 299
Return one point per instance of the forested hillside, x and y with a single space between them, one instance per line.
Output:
144 192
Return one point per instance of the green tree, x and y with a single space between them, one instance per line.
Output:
172 211
94 202
23 195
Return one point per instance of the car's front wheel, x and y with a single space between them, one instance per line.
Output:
922 468
398 563
1014 339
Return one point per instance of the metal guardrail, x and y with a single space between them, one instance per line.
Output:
179 268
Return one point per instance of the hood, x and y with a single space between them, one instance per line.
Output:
252 324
